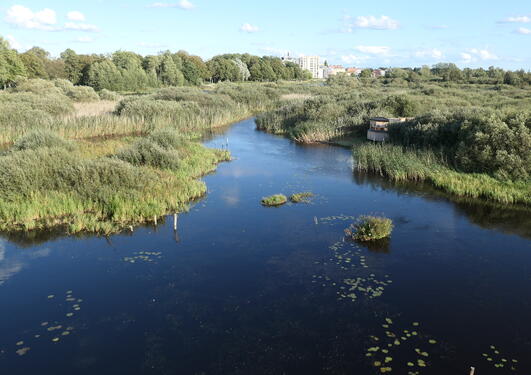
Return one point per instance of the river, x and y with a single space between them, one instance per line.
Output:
245 289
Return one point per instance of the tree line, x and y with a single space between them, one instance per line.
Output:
129 71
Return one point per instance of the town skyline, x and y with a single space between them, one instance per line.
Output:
366 35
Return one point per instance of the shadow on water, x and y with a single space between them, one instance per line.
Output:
511 219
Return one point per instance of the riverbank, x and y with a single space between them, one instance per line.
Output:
102 187
400 165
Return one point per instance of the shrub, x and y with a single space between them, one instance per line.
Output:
147 152
54 104
39 139
63 84
274 200
38 86
82 94
369 228
109 95
301 197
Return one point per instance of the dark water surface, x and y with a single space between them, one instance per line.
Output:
244 289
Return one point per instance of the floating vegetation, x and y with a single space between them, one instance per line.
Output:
303 197
331 219
23 351
398 342
53 330
494 357
274 200
369 228
143 256
369 286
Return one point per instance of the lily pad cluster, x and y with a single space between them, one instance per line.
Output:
143 256
408 342
367 286
498 360
54 330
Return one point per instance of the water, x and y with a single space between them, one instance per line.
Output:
244 289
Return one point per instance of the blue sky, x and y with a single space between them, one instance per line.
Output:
353 33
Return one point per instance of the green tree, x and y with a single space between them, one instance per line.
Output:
11 66
105 75
168 73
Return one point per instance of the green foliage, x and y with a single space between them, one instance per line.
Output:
108 95
40 139
402 165
303 197
44 184
83 94
274 200
370 228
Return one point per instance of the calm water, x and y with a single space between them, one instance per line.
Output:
244 289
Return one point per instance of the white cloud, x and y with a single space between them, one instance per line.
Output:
370 22
374 50
85 39
24 17
517 19
183 4
430 53
151 45
13 43
75 16
475 54
523 30
248 28
353 59
81 27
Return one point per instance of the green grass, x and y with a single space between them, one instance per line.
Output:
274 200
59 186
303 197
400 165
370 228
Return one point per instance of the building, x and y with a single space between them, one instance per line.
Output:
310 63
335 69
377 73
354 71
379 127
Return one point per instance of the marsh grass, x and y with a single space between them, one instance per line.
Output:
49 185
370 228
400 165
274 200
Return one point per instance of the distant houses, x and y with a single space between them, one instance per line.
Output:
323 71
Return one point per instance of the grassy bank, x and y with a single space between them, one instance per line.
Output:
46 181
400 164
40 105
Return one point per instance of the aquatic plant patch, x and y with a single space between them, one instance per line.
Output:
274 200
369 228
409 343
303 197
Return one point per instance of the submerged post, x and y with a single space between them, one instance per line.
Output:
315 220
175 222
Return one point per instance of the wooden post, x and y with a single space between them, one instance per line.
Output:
131 228
175 222
315 220
155 219
472 370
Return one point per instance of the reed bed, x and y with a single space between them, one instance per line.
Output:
400 165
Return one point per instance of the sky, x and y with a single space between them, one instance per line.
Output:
352 33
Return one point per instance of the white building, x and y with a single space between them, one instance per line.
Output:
309 63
